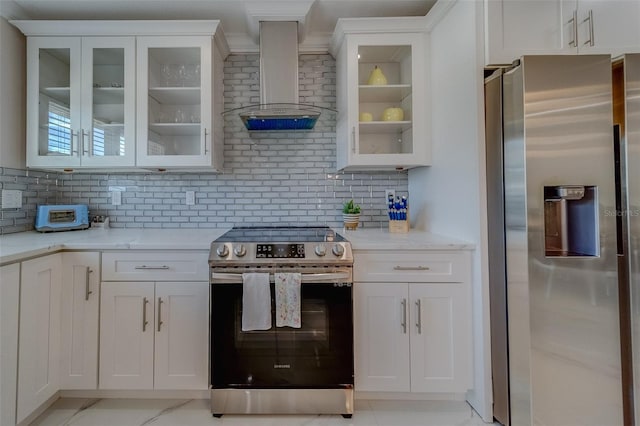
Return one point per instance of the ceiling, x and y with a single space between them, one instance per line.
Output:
239 18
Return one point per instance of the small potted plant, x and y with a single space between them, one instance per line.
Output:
351 214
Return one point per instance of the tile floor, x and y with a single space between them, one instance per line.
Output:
195 412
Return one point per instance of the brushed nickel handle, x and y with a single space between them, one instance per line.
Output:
574 21
353 139
144 314
589 18
163 267
404 316
419 323
160 302
85 150
411 268
205 141
74 149
87 290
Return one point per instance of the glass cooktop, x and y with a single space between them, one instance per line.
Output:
271 234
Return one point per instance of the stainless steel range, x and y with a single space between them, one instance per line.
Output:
306 368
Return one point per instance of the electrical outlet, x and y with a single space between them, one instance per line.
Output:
387 193
191 198
11 199
116 198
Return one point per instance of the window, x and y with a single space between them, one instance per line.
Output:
59 129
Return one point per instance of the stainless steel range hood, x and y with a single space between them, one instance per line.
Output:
279 103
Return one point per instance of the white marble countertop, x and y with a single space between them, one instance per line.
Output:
22 245
382 239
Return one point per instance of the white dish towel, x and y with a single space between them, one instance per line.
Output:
288 299
256 302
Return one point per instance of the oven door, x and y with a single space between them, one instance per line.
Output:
317 355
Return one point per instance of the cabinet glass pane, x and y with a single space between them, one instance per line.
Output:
174 101
54 115
107 129
385 99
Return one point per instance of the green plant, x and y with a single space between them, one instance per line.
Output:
350 208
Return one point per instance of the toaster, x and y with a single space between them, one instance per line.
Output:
62 217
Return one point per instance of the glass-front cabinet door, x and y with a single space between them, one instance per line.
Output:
80 102
386 123
108 102
174 101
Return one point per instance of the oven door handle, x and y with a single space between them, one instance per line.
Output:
221 277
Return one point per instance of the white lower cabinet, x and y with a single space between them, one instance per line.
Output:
9 298
80 304
39 333
412 336
154 320
154 335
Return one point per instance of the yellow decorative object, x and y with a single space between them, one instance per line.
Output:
377 78
393 114
366 116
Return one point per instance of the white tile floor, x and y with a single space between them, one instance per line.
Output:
172 412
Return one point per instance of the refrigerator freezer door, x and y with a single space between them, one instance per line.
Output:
564 345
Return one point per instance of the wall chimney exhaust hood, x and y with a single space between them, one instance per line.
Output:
279 107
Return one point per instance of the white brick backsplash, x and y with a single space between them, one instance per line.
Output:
272 178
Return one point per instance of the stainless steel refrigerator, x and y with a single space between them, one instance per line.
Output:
563 183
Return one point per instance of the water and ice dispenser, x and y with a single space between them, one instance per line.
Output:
571 221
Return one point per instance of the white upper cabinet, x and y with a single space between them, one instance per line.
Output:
381 85
179 102
91 104
534 27
80 102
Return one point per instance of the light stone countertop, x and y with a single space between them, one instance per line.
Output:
23 245
382 239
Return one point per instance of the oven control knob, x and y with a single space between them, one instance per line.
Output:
338 250
222 251
239 250
320 250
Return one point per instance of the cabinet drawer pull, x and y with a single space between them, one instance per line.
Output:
410 268
144 314
160 302
404 316
87 290
85 150
419 322
206 150
163 267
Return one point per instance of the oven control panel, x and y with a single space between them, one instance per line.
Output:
280 251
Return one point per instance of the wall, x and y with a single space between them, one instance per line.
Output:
268 177
12 95
451 193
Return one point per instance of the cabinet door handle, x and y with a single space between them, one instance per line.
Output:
419 322
574 27
87 290
144 314
411 268
206 150
85 150
404 316
353 139
160 302
164 267
74 147
590 19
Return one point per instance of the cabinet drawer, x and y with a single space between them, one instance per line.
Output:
155 266
411 266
